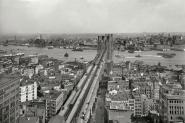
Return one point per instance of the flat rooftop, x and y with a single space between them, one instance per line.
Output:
53 94
28 119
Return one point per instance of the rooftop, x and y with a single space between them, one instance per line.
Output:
28 120
26 81
53 94
118 95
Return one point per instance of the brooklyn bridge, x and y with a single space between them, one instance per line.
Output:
79 107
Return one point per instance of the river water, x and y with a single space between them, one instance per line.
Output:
149 57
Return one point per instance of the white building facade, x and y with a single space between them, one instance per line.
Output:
28 92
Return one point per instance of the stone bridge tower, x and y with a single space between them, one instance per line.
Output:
105 42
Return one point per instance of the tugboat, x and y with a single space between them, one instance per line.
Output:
66 55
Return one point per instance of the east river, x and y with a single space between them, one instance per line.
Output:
149 57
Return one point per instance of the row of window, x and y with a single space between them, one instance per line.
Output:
176 107
175 101
177 112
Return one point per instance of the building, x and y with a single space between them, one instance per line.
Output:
141 105
28 120
9 98
172 103
118 98
143 88
28 90
35 108
54 101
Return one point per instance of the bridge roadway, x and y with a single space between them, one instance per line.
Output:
79 105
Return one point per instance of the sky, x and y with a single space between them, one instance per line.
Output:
91 16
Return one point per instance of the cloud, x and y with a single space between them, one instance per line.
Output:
80 16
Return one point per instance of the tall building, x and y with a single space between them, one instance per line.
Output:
141 105
28 90
54 101
172 103
9 98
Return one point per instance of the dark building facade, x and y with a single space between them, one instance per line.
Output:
9 98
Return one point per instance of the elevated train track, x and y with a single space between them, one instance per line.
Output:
78 95
86 94
78 107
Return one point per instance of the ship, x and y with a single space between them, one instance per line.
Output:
166 55
77 49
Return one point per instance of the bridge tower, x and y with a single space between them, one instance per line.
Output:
109 46
106 42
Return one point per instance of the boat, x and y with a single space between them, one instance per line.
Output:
130 51
19 54
138 55
81 57
66 55
50 47
118 56
77 49
166 55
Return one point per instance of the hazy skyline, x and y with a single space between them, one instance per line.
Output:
91 16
